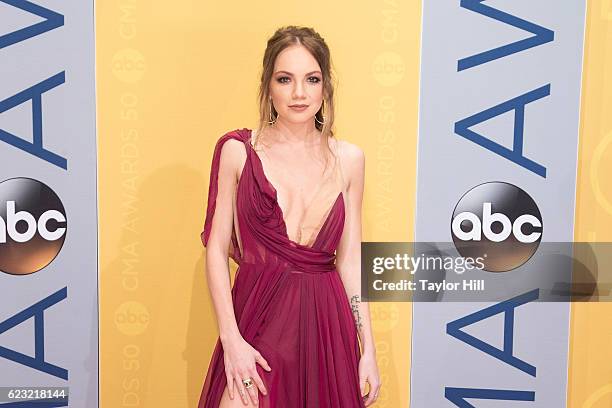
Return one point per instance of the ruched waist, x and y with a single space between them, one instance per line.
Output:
310 271
317 263
310 260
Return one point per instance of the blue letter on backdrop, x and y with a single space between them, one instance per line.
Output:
462 128
34 94
457 395
37 311
52 21
507 307
542 35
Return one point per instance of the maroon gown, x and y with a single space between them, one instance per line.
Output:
289 301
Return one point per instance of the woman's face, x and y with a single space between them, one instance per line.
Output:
296 87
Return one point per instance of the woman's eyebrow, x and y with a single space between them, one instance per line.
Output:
290 74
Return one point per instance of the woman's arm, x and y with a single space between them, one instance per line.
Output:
217 268
348 255
240 357
348 262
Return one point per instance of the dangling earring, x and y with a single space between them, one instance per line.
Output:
322 114
271 121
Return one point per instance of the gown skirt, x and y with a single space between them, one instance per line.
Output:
289 301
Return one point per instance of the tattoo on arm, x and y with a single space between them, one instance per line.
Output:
355 301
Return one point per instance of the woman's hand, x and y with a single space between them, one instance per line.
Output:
240 360
368 372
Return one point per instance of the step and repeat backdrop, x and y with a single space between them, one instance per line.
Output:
498 126
48 205
457 104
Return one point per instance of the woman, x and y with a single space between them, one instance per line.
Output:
286 201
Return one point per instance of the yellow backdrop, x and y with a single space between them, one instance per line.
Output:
590 373
174 76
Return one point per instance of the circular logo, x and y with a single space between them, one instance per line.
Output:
129 65
498 222
388 68
32 226
384 316
132 318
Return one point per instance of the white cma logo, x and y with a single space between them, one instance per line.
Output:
40 226
508 227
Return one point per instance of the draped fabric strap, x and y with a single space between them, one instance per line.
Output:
213 190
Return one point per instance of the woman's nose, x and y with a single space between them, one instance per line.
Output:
298 90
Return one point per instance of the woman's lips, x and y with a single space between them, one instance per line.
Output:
299 108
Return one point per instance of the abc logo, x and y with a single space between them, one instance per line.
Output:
32 226
388 68
132 318
499 222
129 65
384 316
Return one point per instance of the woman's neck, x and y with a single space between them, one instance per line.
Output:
295 133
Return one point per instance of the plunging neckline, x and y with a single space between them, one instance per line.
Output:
280 209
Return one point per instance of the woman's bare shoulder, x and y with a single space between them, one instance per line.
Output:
233 154
352 161
350 154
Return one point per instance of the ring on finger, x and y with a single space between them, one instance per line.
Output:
248 382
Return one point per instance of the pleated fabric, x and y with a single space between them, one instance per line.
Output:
289 300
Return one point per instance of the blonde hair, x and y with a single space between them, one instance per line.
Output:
307 37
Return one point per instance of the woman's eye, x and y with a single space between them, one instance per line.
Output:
282 80
314 79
